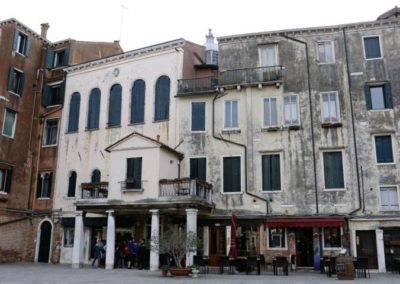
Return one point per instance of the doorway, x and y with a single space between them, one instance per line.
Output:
366 247
44 242
304 247
217 244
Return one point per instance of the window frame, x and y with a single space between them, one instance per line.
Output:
91 108
380 46
393 149
323 239
26 46
264 126
280 173
12 136
114 103
134 186
69 123
332 51
336 93
6 181
66 230
158 96
69 184
198 157
387 95
276 54
205 117
241 174
297 110
284 238
42 175
343 169
45 131
21 82
380 198
230 127
134 96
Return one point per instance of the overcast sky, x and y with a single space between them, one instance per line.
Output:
148 22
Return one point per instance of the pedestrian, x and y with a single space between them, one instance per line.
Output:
98 250
141 254
132 253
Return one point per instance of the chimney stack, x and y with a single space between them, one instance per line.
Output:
44 28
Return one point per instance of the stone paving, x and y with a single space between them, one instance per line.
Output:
37 273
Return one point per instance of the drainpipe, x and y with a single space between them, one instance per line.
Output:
352 124
311 116
245 156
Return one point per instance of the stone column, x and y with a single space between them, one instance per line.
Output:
110 245
79 242
191 227
380 249
155 236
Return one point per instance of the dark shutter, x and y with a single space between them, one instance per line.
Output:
114 107
276 172
72 184
388 95
383 148
94 109
138 101
372 47
28 45
333 170
162 98
134 173
39 187
368 100
266 172
8 180
130 168
198 116
21 83
62 92
15 42
49 59
46 95
198 168
232 179
96 176
73 119
66 56
10 79
49 184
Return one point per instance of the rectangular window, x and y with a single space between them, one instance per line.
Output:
50 132
325 52
69 236
383 149
330 107
290 110
198 168
9 122
15 81
231 175
57 58
332 237
268 55
372 47
53 94
44 185
378 96
231 114
5 179
134 173
276 238
270 112
389 198
271 172
21 43
333 170
198 116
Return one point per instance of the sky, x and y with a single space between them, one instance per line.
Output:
146 22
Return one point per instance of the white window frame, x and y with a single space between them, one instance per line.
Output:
205 117
343 167
276 51
281 170
45 133
56 56
241 174
263 112
380 47
297 110
14 124
394 149
285 237
332 50
329 102
19 43
323 239
198 157
228 128
380 199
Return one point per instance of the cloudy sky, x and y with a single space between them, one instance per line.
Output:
146 22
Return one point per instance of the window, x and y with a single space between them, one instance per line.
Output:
138 101
96 176
114 106
389 198
372 47
383 149
161 109
69 236
231 175
53 94
270 112
9 122
71 184
333 170
268 55
5 179
290 110
378 96
276 238
57 58
73 118
332 237
330 107
94 109
16 81
50 132
43 189
198 116
134 173
271 172
198 168
325 52
231 114
21 43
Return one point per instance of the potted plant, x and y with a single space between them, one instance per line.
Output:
195 271
164 269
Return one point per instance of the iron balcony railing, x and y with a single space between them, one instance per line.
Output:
199 85
186 187
94 190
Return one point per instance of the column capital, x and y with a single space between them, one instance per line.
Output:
110 212
78 213
154 211
191 211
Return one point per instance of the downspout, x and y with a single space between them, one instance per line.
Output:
311 116
352 123
245 156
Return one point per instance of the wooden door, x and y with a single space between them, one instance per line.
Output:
366 247
217 244
304 247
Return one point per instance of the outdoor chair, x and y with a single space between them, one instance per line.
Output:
362 267
251 264
281 262
201 262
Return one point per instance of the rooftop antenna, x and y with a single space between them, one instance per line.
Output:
123 7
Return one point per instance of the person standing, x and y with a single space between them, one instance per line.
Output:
132 253
141 254
98 251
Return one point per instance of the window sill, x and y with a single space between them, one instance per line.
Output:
390 211
331 124
270 129
333 189
14 93
3 196
20 54
280 248
198 131
69 197
231 131
132 190
271 191
49 145
91 129
161 120
326 63
386 164
292 127
113 126
72 132
136 123
374 58
54 106
10 137
380 109
43 198
232 193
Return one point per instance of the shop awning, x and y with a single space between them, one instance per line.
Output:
310 222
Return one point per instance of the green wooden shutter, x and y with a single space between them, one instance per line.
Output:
227 175
266 172
275 173
66 56
10 79
130 167
194 168
62 92
46 95
236 179
49 189
8 180
368 100
39 187
49 59
15 41
379 148
137 173
28 45
202 169
388 95
21 83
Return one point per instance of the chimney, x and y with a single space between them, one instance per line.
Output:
158 138
44 28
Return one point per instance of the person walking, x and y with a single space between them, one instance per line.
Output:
132 253
98 251
141 254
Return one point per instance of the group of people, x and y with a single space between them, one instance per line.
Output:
130 254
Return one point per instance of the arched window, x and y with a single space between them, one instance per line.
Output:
94 109
114 106
73 119
96 176
137 101
161 109
71 184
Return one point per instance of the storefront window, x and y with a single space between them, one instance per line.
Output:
247 240
276 238
332 238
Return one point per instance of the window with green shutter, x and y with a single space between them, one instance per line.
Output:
271 172
231 175
383 149
114 106
15 81
372 47
134 173
378 96
21 43
161 110
138 101
198 168
57 58
74 108
9 122
94 109
333 170
198 116
53 94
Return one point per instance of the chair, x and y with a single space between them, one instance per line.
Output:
263 262
362 267
201 262
281 261
251 263
224 262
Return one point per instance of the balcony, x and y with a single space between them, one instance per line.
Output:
186 187
248 76
94 190
197 86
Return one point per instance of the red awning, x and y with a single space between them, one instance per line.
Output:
305 222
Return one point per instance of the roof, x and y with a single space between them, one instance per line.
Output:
162 145
25 27
395 12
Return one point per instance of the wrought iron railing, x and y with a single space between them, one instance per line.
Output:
94 190
250 75
199 85
186 187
